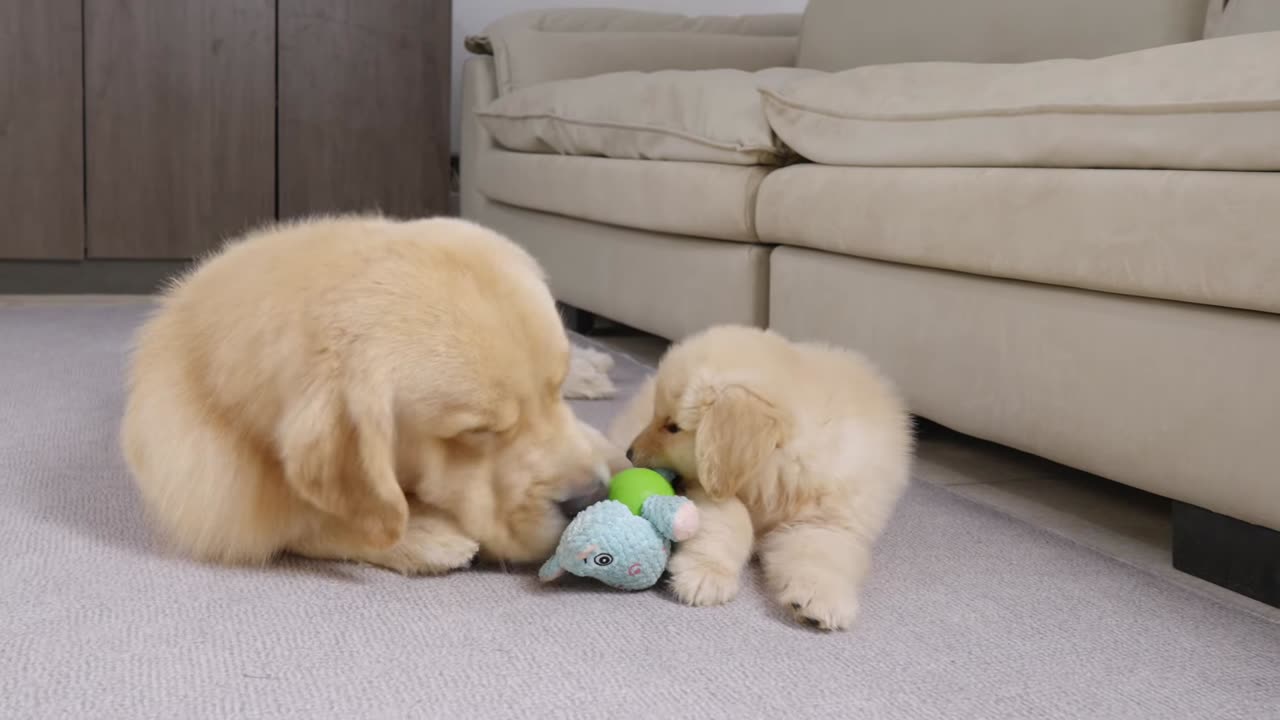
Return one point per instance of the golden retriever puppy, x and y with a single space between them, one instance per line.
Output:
795 451
363 389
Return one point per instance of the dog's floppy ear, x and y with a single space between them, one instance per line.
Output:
338 455
738 433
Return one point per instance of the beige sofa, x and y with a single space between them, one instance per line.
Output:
1080 259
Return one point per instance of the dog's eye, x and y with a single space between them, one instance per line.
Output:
604 559
671 428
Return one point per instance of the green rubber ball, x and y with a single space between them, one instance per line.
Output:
633 486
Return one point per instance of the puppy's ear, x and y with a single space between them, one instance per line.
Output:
738 433
338 455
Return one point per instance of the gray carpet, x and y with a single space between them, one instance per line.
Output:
969 614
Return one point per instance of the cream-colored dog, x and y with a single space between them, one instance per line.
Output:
796 451
364 389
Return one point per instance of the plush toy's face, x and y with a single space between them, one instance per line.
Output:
610 544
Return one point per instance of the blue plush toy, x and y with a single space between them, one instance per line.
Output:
624 541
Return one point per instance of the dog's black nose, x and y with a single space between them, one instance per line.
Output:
631 454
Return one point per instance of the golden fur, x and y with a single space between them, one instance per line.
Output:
360 388
795 451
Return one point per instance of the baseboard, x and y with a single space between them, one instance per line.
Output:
110 277
1241 557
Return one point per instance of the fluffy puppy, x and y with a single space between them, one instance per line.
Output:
795 451
362 389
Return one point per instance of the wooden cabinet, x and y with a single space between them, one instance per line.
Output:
370 131
180 124
145 130
41 148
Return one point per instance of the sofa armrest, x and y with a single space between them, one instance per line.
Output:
479 88
545 45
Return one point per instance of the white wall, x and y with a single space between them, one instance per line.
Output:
471 16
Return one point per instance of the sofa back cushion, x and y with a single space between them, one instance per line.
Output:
539 46
843 34
1238 17
1205 105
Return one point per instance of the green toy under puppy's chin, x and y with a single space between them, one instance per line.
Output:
625 540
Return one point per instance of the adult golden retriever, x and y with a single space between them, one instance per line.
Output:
796 451
363 389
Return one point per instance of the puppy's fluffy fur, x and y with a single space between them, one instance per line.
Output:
360 388
796 451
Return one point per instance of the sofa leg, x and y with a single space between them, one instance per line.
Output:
1232 553
577 320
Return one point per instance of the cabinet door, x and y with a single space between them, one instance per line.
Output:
180 124
41 135
364 95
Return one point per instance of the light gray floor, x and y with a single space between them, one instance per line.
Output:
970 613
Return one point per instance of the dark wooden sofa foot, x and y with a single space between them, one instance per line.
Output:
577 320
1232 553
584 322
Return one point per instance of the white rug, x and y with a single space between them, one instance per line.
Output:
589 374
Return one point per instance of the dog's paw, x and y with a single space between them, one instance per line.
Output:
429 549
821 605
700 583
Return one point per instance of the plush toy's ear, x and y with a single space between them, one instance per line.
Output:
675 517
550 569
737 434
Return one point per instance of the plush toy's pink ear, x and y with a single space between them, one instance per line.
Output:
685 523
673 516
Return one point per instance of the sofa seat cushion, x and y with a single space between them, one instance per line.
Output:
1200 237
698 199
714 116
1207 105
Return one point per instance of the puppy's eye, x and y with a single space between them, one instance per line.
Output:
671 428
604 559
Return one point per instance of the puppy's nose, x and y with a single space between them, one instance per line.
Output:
631 454
596 491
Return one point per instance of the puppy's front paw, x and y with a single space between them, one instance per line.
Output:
825 605
700 583
429 549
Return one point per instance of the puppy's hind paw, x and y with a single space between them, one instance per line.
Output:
822 610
